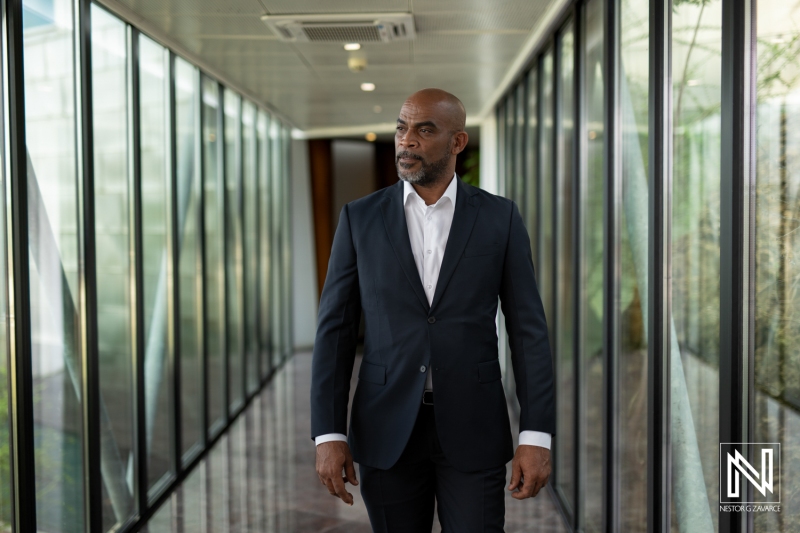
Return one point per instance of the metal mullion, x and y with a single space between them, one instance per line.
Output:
737 223
173 255
612 200
287 149
659 268
200 285
87 271
20 361
223 210
136 250
578 171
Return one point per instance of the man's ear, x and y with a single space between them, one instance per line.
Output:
460 139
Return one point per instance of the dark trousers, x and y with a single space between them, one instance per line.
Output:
401 499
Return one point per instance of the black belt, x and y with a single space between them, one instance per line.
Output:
427 397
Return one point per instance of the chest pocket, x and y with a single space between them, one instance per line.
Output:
483 249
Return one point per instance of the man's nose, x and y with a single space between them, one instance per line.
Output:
408 139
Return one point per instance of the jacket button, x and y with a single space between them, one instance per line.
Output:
422 369
431 319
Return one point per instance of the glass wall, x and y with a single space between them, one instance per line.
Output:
631 363
777 252
564 303
112 198
150 155
55 271
590 268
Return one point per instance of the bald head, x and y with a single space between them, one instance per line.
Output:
449 108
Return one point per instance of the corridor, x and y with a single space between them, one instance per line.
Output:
259 477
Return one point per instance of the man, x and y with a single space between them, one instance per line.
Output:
426 260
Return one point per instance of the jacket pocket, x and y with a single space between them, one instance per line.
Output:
372 373
489 371
482 249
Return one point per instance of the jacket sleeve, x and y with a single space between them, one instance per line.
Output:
337 335
526 325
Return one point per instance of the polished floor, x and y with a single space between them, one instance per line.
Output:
260 477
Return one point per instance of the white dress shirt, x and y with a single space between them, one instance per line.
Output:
428 229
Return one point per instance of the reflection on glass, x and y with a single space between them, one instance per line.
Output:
265 228
590 466
153 98
5 448
511 168
531 166
286 250
215 253
277 243
696 64
112 234
250 201
565 374
190 281
233 259
519 151
546 145
777 241
53 218
631 357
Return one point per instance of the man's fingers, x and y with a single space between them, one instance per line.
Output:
516 475
338 485
350 472
331 489
528 486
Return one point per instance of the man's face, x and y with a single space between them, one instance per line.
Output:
423 143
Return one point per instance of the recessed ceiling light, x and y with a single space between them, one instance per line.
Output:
368 87
351 47
371 136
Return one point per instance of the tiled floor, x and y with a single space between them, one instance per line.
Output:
260 477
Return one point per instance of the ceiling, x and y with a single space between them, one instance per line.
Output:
467 47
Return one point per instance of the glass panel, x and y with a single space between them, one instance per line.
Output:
112 234
53 217
215 253
519 151
153 109
531 166
546 147
233 252
565 361
590 466
631 358
696 68
6 504
190 281
277 268
265 227
777 241
509 146
249 177
286 249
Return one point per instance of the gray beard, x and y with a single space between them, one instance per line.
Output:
428 174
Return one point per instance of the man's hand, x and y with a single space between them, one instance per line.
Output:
332 458
530 471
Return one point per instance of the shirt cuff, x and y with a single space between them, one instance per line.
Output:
532 438
328 437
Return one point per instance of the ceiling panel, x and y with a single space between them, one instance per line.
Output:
463 46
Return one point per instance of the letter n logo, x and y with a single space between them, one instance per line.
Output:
735 472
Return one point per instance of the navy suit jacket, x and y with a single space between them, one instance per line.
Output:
372 269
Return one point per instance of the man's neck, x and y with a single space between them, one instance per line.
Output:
431 193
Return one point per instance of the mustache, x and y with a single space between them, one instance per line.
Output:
407 154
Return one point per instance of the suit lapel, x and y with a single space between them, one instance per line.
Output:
466 211
394 218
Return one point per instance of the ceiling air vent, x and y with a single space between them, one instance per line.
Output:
352 28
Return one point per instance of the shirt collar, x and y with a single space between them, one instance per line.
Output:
450 192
